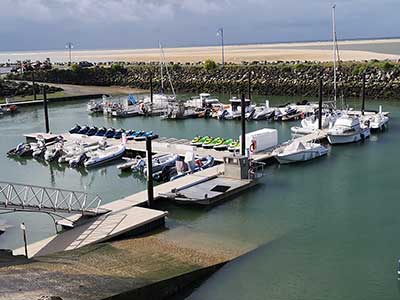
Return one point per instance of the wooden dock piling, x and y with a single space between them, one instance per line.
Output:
243 120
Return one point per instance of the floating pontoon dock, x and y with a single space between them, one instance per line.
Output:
127 215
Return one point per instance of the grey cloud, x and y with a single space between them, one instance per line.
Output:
140 23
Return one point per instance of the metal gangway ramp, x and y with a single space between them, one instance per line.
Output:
32 198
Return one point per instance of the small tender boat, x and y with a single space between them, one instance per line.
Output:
78 160
298 151
127 166
209 144
94 106
199 164
118 133
22 150
224 146
143 136
92 131
235 145
9 108
54 153
379 121
348 130
199 140
84 130
40 149
101 132
133 134
160 162
75 129
102 156
141 164
110 132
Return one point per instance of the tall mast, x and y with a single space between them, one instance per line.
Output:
166 69
161 68
334 54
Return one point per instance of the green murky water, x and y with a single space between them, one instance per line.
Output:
327 229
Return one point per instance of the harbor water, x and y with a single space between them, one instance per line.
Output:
325 229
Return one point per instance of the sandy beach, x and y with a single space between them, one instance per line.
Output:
233 53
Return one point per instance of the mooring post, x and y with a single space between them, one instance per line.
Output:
24 236
320 104
150 191
249 85
33 85
46 112
363 93
243 120
151 88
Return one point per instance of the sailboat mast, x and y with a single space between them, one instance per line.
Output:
161 69
167 70
334 54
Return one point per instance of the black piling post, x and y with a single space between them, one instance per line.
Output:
33 85
249 84
150 191
320 104
243 120
151 88
46 112
363 94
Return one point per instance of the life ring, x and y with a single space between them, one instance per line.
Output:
253 146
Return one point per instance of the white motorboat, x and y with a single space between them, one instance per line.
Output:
378 121
94 106
129 163
129 108
348 130
203 101
310 124
261 112
298 151
104 155
161 162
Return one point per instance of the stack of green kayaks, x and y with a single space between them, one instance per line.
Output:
235 146
199 140
224 145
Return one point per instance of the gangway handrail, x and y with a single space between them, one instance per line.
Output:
20 197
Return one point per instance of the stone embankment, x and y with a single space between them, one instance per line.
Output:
281 78
10 89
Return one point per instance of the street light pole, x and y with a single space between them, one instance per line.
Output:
221 34
69 46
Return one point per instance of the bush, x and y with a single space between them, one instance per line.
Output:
210 65
75 68
117 68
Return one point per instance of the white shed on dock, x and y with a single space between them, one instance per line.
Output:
261 140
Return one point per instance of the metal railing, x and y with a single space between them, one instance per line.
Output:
24 197
256 169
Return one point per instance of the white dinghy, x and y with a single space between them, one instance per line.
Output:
299 151
105 155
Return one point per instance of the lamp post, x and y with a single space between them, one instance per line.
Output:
220 33
69 46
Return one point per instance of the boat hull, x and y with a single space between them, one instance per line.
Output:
302 155
348 138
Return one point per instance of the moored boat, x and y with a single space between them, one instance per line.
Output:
298 151
104 155
348 130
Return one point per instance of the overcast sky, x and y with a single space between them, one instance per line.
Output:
108 24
